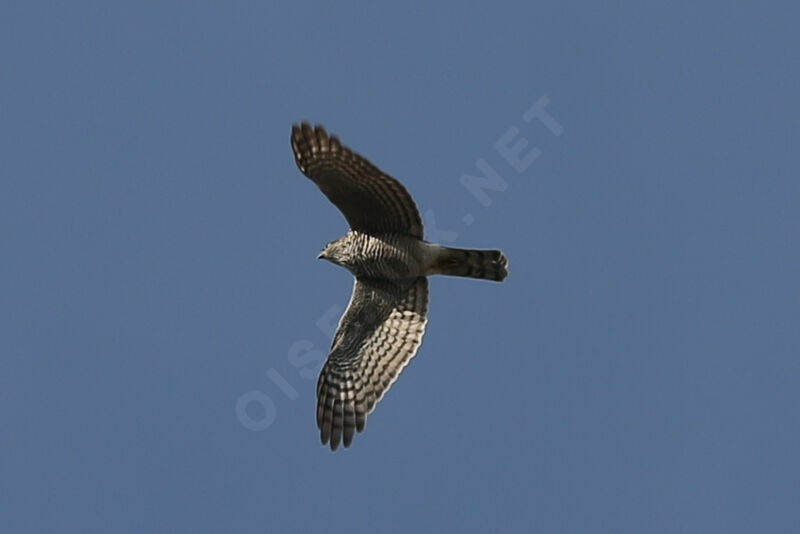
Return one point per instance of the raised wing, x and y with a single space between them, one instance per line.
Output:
378 334
371 201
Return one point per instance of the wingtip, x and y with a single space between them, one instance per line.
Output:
301 132
327 439
332 444
297 129
305 128
309 141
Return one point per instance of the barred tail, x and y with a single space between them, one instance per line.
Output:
485 264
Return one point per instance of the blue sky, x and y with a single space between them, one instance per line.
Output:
637 371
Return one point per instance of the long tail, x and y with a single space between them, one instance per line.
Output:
484 264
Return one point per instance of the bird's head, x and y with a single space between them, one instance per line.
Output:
337 252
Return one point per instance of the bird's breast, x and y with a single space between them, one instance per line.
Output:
390 256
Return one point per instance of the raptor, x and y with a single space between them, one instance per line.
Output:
382 327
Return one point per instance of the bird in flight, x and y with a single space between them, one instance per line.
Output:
382 327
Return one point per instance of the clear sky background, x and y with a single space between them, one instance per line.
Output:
637 371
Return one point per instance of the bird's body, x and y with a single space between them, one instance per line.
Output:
383 325
399 256
391 256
